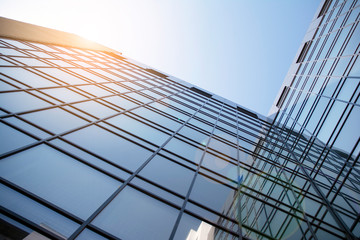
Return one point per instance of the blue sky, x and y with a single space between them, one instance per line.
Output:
238 49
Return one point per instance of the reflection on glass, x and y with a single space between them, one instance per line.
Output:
212 194
55 120
134 215
133 126
36 212
59 179
20 101
169 174
12 139
110 146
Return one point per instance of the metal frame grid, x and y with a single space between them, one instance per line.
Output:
247 178
96 77
321 105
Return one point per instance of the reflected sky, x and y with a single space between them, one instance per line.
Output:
248 46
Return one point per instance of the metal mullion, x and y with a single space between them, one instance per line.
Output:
321 195
127 182
75 129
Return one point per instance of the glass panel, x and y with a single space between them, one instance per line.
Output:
157 191
28 127
350 133
110 146
96 109
194 135
157 118
30 61
223 148
184 149
12 139
353 43
63 76
56 120
90 158
89 235
134 215
168 174
331 120
121 102
220 166
27 77
95 90
64 94
355 71
59 179
348 89
11 52
20 101
211 194
191 228
89 75
36 212
18 44
142 130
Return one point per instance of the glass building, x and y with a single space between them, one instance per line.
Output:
95 145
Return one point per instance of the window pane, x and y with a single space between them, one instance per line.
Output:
134 215
35 212
12 139
20 101
193 228
64 94
142 130
59 179
89 235
211 194
56 120
220 166
157 118
184 150
110 146
94 108
27 77
168 174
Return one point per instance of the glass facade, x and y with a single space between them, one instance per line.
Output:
97 146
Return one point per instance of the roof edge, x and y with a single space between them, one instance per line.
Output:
18 30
